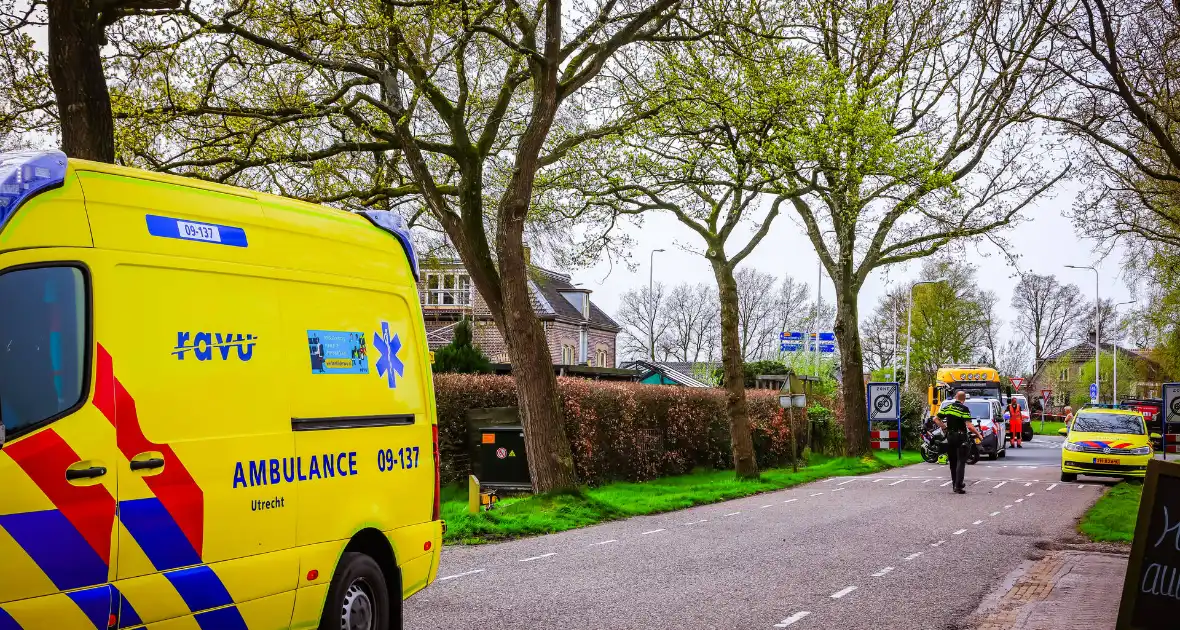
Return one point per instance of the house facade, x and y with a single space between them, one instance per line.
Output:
577 331
1062 372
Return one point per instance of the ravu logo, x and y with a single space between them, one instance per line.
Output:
202 345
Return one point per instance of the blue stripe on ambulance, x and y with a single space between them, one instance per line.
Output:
95 604
200 588
7 622
57 548
128 618
157 533
222 619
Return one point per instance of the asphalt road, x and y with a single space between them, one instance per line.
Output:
891 550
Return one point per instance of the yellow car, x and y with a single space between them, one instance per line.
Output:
1106 443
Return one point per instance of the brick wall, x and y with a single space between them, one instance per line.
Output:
603 340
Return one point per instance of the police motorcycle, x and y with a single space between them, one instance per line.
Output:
934 445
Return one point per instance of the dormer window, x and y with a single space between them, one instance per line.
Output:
580 300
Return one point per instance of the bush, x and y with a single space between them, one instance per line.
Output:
621 431
459 356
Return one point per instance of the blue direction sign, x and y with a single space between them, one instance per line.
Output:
790 347
827 336
795 341
790 336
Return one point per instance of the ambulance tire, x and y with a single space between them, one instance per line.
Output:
358 598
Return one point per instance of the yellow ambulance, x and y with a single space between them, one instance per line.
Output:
217 407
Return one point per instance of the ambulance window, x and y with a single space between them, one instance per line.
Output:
42 345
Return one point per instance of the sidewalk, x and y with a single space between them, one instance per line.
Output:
1071 587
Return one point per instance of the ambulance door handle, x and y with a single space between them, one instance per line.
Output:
93 472
147 464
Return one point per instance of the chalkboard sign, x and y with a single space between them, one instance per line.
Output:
1151 590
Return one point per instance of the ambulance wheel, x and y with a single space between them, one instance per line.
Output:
1069 477
358 598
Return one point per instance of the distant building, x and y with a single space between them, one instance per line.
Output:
1060 373
664 373
577 331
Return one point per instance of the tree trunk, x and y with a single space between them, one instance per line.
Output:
551 461
856 420
79 83
744 463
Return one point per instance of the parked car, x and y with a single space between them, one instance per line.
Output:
987 414
1107 443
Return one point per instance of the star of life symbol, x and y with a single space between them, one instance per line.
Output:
389 361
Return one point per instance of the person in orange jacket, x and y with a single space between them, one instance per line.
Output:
1015 424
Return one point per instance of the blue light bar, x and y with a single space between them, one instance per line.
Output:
26 173
393 223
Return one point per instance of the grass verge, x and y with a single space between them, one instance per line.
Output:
1051 427
1112 519
532 515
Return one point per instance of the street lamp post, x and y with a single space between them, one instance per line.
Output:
1097 326
651 329
1114 391
909 325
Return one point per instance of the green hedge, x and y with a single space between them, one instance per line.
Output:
627 431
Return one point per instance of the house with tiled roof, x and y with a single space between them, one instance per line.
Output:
577 330
1060 372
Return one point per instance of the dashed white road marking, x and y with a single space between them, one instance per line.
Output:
792 619
763 507
1050 487
790 500
977 523
928 481
733 514
1020 500
842 592
845 482
605 542
883 572
897 482
544 555
937 544
999 484
695 522
459 575
839 489
1080 486
944 484
1028 484
994 513
817 494
959 531
1030 494
654 531
878 480
1007 507
912 556
827 480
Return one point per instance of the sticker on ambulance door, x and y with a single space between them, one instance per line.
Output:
337 352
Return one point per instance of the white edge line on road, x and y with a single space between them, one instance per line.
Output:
839 489
790 500
977 523
654 531
817 494
763 507
544 555
695 522
897 482
844 482
459 575
605 542
994 513
928 481
882 572
1050 487
827 480
792 619
878 480
733 514
842 592
1028 484
959 531
912 556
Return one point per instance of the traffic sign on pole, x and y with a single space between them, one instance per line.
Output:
1017 382
1171 412
1046 394
884 405
1093 393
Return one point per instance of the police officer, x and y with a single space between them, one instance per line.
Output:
954 418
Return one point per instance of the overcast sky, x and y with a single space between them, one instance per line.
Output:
1045 243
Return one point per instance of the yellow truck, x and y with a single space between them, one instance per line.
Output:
217 406
976 380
